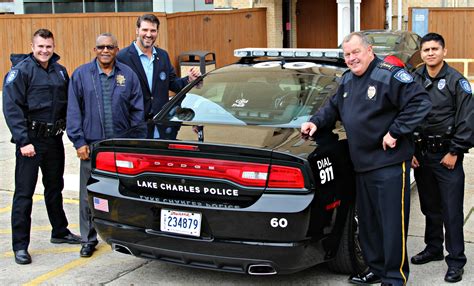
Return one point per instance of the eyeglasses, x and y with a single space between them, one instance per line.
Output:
102 47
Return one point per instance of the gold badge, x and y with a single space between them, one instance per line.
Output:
371 92
120 80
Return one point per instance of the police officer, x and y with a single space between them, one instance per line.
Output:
380 105
34 106
442 139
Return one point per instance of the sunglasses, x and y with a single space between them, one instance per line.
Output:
102 47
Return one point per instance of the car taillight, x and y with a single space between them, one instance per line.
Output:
285 177
243 173
105 161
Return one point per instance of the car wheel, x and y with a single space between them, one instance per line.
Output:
349 259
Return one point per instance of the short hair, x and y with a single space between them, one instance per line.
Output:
432 37
109 35
149 18
43 33
363 38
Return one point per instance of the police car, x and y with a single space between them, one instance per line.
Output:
224 180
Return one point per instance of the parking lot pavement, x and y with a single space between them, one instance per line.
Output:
59 264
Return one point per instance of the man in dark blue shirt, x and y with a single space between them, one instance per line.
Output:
105 99
380 105
34 106
444 136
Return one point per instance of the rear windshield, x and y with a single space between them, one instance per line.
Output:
261 94
381 41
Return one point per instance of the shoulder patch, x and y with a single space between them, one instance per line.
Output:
11 76
403 76
466 86
386 66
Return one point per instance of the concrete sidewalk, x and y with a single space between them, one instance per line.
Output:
429 274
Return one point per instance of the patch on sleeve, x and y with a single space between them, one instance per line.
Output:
11 76
403 76
466 86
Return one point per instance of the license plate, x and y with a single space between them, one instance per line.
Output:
181 222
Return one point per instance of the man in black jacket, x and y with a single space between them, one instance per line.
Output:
34 106
153 66
443 138
380 105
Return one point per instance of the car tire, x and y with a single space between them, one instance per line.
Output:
349 259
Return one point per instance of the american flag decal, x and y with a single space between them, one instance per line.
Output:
101 204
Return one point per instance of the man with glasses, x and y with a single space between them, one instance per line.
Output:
153 66
104 100
34 106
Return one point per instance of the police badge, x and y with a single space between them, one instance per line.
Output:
11 76
371 91
120 80
441 83
162 75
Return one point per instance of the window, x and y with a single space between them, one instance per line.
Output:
88 6
134 6
38 7
68 6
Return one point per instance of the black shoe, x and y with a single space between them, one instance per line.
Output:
364 278
22 257
386 284
71 238
454 274
87 250
425 257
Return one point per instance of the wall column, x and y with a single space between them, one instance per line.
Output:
344 18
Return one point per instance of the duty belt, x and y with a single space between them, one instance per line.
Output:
432 143
45 129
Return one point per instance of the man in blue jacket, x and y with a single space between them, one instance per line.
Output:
105 99
153 66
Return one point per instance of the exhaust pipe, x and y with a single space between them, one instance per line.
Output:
121 248
261 269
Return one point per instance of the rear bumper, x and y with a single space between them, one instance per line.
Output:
216 254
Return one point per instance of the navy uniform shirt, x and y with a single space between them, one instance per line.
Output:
453 107
31 92
384 99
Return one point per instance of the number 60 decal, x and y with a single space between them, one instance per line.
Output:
279 222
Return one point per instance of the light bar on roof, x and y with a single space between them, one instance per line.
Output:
288 53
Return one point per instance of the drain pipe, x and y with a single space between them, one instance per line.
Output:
388 13
400 15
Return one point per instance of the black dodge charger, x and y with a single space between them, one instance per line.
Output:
221 178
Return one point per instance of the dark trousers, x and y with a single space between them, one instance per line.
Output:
50 158
383 206
88 232
441 194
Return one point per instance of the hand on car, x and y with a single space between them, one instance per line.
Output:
308 129
193 74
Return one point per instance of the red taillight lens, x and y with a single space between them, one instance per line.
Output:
285 177
105 161
243 173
